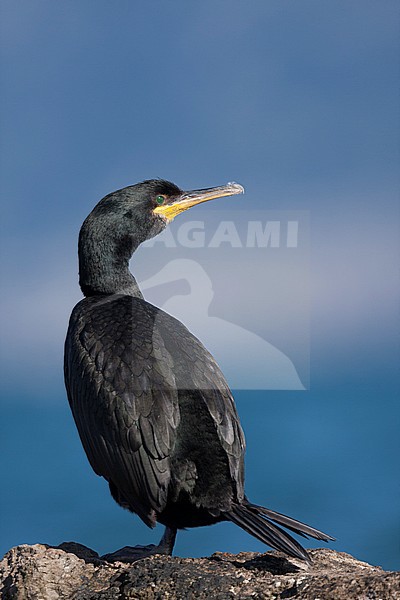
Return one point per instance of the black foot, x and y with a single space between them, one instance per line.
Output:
131 554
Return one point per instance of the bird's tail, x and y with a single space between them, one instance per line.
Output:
260 522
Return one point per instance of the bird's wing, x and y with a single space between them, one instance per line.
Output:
123 396
197 369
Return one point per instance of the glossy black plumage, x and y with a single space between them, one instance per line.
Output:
124 344
155 415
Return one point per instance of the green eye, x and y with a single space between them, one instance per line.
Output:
160 200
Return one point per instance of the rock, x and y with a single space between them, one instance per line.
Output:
72 571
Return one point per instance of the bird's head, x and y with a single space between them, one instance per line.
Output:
136 213
121 221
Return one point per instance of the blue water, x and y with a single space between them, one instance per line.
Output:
330 462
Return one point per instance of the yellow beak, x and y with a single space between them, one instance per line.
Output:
189 199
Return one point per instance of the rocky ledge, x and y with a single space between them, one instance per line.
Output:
72 571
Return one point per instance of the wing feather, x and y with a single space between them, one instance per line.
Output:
195 368
126 362
123 397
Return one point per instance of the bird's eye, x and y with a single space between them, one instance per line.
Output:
160 200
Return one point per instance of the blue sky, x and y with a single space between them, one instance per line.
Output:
297 102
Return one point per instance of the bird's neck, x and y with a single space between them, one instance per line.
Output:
105 270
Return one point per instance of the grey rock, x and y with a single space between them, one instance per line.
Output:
72 571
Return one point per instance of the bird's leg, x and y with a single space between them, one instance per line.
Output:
167 541
133 553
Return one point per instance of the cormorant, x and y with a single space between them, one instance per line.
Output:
154 413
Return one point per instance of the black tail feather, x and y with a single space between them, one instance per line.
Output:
292 524
256 521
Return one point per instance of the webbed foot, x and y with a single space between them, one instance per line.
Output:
131 554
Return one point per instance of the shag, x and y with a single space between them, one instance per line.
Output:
154 413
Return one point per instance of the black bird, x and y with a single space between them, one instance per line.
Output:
154 413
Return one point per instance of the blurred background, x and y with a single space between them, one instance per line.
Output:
297 101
